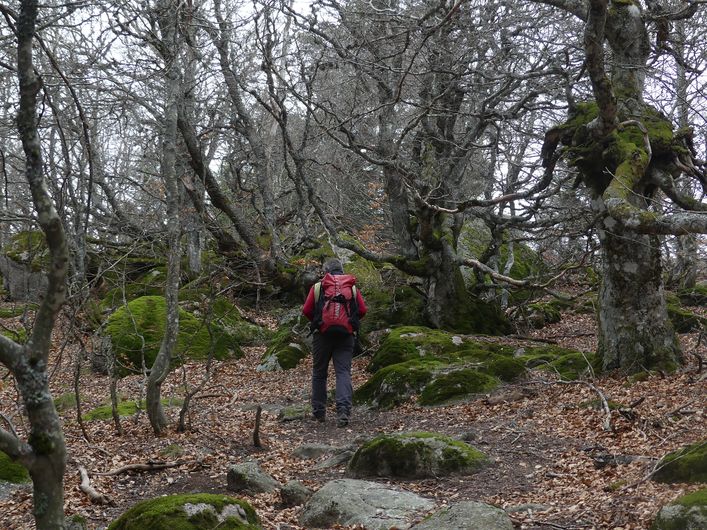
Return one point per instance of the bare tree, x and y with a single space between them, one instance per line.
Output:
44 452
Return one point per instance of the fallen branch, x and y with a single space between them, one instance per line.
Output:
149 466
90 491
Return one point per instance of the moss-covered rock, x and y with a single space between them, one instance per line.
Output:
151 283
688 512
694 296
287 346
683 320
126 408
198 511
29 248
506 369
11 471
136 331
568 364
415 455
395 384
455 384
392 305
412 342
540 314
688 464
226 315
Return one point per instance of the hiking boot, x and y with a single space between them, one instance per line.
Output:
319 418
342 421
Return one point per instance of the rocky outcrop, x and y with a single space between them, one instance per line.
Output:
368 504
467 515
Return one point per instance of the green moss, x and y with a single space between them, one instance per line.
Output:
11 471
688 464
696 498
395 384
12 312
223 313
683 320
684 513
455 385
18 335
694 296
573 365
415 455
136 330
125 408
151 283
65 401
29 247
167 513
172 451
540 314
286 347
505 368
411 342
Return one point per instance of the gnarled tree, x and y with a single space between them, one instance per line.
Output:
629 157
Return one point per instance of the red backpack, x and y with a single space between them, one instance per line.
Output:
336 305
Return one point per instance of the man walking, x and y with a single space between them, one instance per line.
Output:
334 306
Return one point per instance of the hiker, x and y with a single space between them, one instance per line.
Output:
334 306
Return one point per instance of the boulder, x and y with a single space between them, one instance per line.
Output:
415 455
294 493
467 515
197 511
249 478
136 331
688 512
314 450
287 347
373 506
688 464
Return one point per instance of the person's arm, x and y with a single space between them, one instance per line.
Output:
308 307
362 309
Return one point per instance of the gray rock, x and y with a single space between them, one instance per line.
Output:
336 460
467 515
249 478
295 493
674 516
358 502
314 450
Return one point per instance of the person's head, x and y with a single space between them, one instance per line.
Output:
333 266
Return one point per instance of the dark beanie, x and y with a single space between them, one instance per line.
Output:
333 265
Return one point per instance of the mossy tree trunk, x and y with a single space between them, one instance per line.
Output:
44 453
624 155
168 16
635 332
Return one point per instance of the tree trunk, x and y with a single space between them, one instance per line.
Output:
160 369
635 332
44 454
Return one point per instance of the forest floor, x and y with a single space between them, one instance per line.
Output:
547 448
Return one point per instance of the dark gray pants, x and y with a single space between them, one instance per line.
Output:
338 348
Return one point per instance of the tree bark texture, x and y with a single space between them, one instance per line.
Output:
635 333
168 17
44 454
